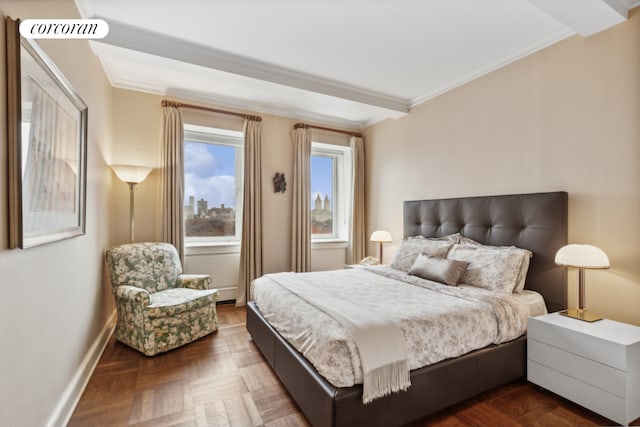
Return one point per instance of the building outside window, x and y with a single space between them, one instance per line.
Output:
213 171
330 191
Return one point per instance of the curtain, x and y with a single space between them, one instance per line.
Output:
301 213
251 246
172 177
357 240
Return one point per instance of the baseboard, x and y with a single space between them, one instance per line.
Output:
72 393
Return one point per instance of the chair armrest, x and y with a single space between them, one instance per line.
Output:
132 294
194 281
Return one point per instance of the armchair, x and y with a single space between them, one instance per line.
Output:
158 307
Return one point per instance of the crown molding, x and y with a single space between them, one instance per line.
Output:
157 44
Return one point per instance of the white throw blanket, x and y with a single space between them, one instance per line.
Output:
385 367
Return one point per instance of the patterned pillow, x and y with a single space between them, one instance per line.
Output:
490 267
447 271
524 267
451 238
409 250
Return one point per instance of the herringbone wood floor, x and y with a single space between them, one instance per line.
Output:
222 380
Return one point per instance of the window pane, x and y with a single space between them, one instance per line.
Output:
209 189
322 195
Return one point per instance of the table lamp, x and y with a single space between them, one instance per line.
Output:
380 236
132 175
582 257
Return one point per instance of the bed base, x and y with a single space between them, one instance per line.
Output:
433 387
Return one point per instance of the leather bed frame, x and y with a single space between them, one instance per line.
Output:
537 222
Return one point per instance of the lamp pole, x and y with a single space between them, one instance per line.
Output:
132 190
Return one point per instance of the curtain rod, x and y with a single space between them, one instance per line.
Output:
307 126
168 103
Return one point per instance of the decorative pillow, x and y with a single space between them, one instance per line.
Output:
451 238
490 267
524 267
447 271
522 271
409 250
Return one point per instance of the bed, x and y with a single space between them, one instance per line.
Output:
537 222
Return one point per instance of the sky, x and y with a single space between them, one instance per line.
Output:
210 174
321 176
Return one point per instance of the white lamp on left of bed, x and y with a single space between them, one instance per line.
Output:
381 236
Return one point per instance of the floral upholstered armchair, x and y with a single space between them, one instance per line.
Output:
159 308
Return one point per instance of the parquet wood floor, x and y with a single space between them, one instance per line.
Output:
222 380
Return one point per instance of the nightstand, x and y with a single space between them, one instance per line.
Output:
596 365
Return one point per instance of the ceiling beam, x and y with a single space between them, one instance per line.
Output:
585 17
137 39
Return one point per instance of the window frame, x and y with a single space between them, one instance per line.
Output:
341 188
223 137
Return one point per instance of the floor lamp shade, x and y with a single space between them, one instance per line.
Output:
380 236
132 175
582 257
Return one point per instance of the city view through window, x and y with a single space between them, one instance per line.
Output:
322 195
210 191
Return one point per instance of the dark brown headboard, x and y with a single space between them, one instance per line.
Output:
537 222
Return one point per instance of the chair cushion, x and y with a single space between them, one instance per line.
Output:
173 301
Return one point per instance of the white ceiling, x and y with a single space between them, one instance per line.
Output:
342 62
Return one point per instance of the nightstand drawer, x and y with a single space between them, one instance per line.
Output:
572 340
600 401
585 370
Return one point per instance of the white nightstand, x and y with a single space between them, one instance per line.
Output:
596 365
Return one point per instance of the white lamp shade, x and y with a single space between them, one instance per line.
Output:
582 256
380 236
130 173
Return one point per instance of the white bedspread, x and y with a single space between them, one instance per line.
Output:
438 321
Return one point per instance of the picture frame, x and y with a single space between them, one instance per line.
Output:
47 147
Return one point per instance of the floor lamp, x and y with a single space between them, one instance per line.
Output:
132 175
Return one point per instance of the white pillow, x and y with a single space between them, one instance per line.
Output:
490 267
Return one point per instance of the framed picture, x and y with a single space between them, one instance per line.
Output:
47 147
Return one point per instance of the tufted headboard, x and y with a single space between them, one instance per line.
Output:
537 222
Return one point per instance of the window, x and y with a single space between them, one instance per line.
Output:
213 170
330 191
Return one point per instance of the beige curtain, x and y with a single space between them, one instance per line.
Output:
301 213
172 177
357 240
251 246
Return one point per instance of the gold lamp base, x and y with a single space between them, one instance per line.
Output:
581 315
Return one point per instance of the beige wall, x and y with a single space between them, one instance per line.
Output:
136 134
136 124
566 118
54 303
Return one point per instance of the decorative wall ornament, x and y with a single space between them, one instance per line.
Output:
279 183
47 147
